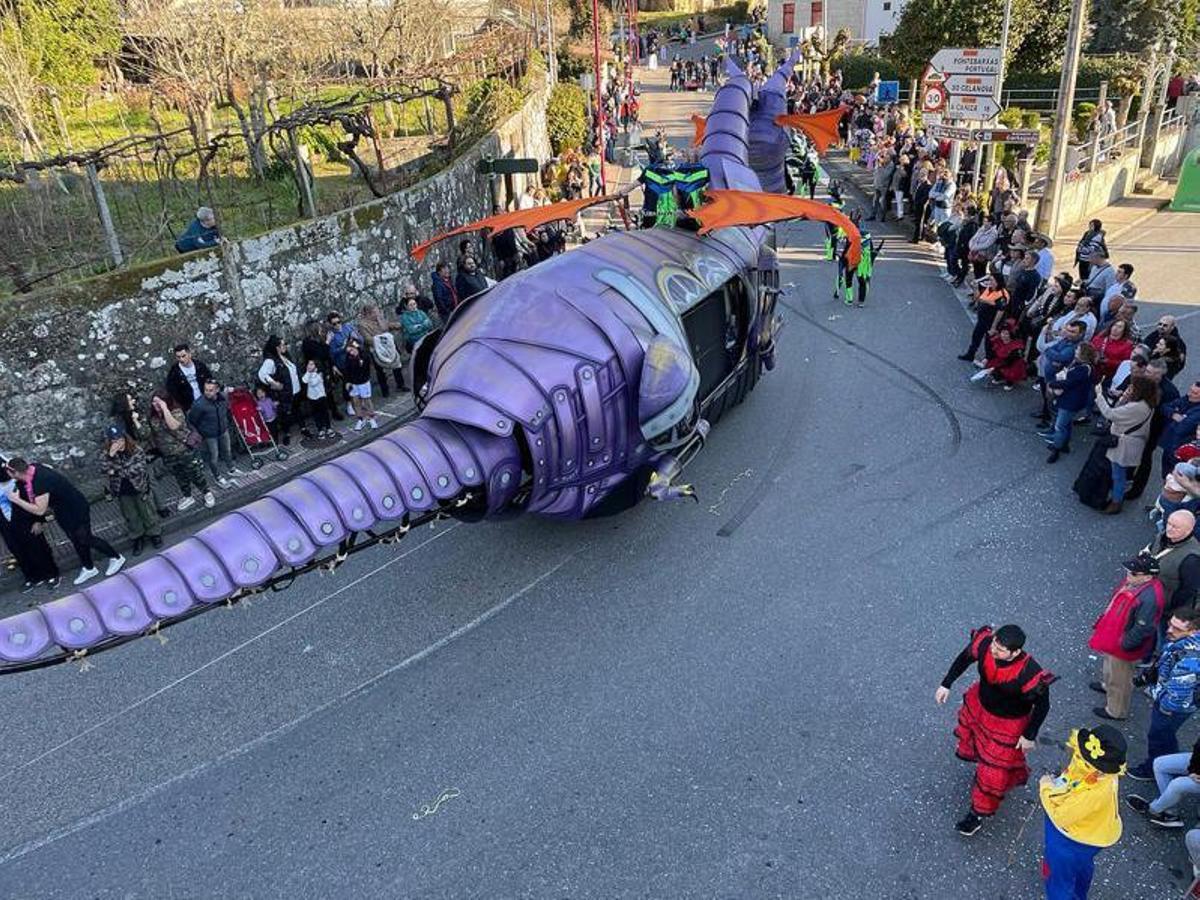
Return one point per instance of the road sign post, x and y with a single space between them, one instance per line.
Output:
964 80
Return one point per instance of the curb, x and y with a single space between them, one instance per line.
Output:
176 527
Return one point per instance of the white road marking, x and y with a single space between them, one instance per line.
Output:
133 800
108 720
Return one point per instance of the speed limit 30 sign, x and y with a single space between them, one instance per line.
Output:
933 98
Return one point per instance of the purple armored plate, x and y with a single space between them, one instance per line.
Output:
162 587
414 491
74 623
374 481
201 570
347 498
312 509
458 451
243 551
120 605
290 540
24 636
435 469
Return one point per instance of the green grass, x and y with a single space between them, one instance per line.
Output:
51 225
665 19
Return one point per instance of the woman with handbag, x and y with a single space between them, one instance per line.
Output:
179 445
1129 421
280 378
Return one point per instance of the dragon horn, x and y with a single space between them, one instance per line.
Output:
768 142
425 469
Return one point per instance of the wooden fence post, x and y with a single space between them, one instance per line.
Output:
106 222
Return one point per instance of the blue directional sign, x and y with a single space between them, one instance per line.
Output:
888 92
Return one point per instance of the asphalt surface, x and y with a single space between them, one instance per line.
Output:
727 699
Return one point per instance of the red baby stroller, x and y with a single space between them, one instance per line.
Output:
248 422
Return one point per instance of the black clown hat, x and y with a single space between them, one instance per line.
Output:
1103 747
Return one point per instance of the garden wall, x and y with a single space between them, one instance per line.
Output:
65 351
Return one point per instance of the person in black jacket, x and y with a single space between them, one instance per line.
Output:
962 245
469 281
185 379
921 204
1023 283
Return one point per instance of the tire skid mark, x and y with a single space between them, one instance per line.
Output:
956 436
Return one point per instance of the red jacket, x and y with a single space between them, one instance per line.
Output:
1005 359
1112 354
1127 628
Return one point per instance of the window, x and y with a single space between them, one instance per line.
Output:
789 18
818 13
887 6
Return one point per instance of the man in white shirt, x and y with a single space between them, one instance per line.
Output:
1045 265
1122 286
1081 313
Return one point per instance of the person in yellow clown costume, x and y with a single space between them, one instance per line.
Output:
1082 816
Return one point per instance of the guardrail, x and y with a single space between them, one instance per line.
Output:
1108 148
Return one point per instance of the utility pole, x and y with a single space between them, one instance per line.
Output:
1048 209
994 149
599 91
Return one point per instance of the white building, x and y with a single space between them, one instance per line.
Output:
865 20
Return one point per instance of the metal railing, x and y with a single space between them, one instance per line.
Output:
1173 119
1108 148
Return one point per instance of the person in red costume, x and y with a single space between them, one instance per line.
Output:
1000 715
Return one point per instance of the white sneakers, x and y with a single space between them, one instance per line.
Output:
86 574
372 423
223 481
185 503
360 425
209 500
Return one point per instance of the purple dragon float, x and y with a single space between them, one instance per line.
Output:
572 389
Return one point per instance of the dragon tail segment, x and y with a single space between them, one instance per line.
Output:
725 151
768 142
379 491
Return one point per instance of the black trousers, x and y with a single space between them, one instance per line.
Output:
985 316
85 542
32 551
1141 475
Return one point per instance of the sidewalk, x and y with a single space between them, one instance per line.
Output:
303 455
1120 217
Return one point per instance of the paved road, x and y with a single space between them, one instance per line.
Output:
1165 253
726 699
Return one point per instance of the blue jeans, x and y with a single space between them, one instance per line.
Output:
1174 783
1120 477
1164 728
1063 420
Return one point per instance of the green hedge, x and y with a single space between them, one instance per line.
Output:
1092 71
859 68
566 117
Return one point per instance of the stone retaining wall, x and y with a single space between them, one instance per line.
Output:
65 351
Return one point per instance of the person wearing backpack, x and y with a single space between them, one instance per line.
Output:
381 345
